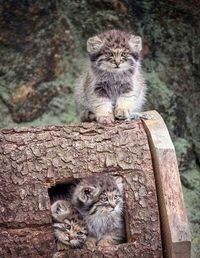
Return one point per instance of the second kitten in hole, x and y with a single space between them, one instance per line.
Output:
69 229
99 199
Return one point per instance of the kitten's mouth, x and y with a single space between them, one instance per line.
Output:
75 244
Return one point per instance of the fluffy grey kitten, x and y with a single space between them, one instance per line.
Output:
112 84
99 199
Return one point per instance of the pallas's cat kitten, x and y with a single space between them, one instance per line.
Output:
69 229
99 199
112 84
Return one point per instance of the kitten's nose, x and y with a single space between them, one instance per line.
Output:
71 237
112 204
117 62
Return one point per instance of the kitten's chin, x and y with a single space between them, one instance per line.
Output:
75 244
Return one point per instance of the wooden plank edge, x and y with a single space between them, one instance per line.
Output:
174 223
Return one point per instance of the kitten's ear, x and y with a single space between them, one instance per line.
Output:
119 182
54 207
88 193
135 42
94 44
58 225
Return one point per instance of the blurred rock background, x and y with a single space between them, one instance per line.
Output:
42 48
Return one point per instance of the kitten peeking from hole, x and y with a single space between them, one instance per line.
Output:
69 229
99 199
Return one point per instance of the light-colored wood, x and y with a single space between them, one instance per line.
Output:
175 227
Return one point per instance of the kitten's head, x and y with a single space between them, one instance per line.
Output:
114 51
86 192
60 210
105 195
71 232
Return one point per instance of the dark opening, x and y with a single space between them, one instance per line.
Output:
62 189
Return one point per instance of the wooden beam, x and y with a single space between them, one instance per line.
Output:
175 226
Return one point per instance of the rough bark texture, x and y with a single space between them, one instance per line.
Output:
25 242
34 159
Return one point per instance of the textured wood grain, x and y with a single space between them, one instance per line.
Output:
27 242
34 159
175 226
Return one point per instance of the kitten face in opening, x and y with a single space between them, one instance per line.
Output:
71 232
103 213
114 52
99 195
109 201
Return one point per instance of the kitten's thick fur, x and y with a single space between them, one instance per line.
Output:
100 201
69 229
112 84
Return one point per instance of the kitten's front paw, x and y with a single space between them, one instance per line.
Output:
105 119
91 243
105 242
61 246
137 116
122 113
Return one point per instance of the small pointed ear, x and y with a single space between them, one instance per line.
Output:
89 193
119 182
86 192
54 207
135 42
58 225
94 44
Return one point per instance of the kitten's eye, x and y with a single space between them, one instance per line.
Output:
109 54
116 197
80 233
68 227
104 198
124 54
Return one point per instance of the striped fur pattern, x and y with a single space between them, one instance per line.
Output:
69 228
99 199
112 85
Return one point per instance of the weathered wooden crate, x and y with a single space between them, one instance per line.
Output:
33 160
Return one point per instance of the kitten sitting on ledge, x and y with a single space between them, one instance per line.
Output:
112 85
